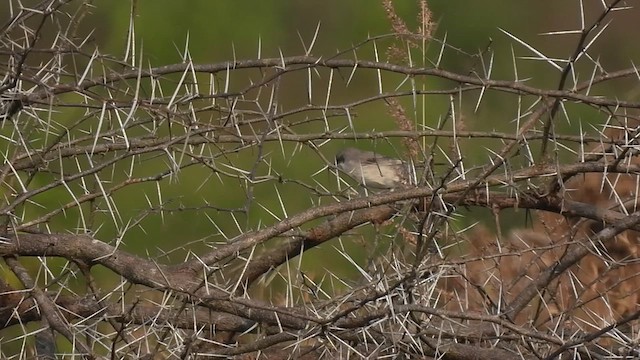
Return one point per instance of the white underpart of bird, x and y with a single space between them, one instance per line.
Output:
376 171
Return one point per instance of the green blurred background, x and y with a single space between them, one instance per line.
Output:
223 30
218 31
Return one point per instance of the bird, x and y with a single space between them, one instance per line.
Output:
376 171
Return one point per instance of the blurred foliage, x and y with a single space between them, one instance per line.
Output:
223 30
215 31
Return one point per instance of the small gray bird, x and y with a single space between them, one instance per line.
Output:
375 170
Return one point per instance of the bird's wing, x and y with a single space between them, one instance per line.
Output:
379 159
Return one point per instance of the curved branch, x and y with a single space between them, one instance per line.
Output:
310 61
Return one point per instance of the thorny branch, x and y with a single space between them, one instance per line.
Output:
103 161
